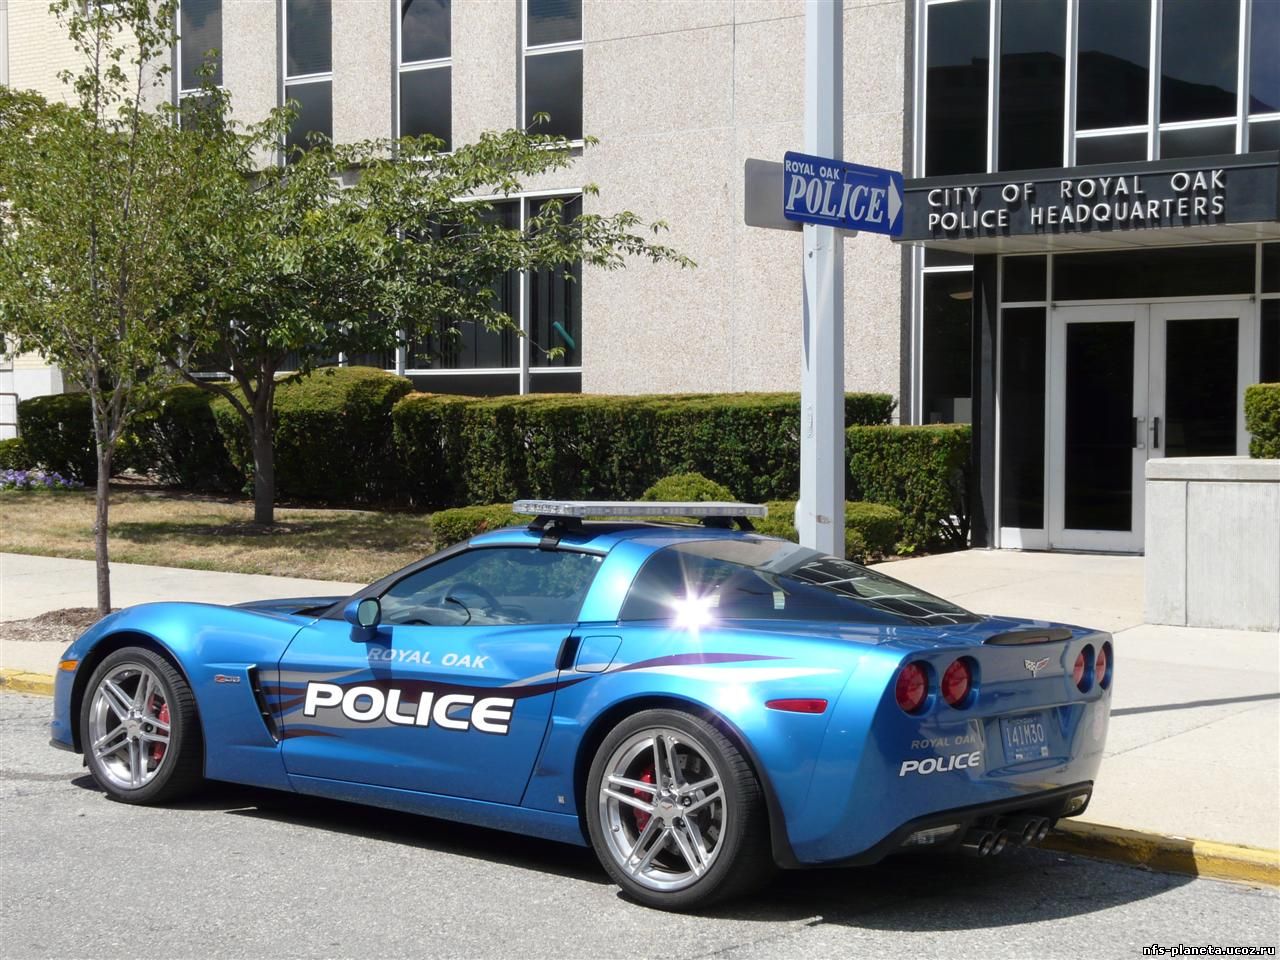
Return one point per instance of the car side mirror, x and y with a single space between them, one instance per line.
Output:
364 617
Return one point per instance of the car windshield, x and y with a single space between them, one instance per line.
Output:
760 579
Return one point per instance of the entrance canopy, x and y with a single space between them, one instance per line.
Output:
1232 198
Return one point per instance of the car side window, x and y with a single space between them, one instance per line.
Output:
490 586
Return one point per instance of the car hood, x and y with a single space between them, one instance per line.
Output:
291 605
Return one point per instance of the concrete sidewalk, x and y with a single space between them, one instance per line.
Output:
1192 749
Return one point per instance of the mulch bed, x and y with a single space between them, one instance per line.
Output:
56 626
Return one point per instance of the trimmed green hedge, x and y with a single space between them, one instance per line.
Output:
922 471
461 523
14 454
1262 419
870 529
333 436
180 442
58 433
688 488
575 446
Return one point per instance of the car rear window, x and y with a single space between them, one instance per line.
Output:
765 579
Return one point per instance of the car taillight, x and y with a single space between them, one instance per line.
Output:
1102 666
1080 672
956 683
912 687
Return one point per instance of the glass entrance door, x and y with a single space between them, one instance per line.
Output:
1097 451
1201 363
1132 382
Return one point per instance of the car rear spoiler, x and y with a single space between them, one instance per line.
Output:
1030 635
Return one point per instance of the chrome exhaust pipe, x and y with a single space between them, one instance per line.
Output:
1025 829
1002 840
978 842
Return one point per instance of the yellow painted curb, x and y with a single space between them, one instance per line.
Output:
21 682
1198 858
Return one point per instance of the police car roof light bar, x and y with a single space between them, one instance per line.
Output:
718 513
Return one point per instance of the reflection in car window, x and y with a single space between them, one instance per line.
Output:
759 579
495 585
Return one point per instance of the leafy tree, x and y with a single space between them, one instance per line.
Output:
340 247
95 198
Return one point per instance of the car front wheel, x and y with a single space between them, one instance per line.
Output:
677 815
139 729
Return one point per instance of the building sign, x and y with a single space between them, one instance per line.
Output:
1093 200
835 193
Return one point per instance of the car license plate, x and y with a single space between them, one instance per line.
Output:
1025 738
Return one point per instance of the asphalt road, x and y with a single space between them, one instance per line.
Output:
249 873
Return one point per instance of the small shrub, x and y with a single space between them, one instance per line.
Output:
687 487
461 523
178 440
58 433
920 470
14 454
870 529
332 435
1262 419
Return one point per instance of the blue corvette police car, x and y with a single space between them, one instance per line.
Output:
697 702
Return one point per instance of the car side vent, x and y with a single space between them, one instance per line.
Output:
1031 635
268 719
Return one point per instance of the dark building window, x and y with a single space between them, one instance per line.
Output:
1024 279
308 79
1197 141
1111 149
1033 38
1269 359
1200 271
956 88
1264 57
200 40
553 66
1114 43
555 303
426 73
1022 406
1198 56
309 37
947 347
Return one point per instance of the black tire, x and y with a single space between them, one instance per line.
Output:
179 768
742 858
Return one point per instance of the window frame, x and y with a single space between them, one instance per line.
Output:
180 92
527 50
303 79
414 66
381 588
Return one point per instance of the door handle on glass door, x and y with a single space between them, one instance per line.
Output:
1155 433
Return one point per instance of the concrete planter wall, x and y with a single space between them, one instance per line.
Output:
1213 542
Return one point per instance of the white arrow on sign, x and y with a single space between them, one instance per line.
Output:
895 202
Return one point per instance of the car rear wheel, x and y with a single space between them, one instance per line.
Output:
676 814
139 729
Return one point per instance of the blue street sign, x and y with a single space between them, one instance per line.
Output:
833 193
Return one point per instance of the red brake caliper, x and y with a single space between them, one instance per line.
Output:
642 818
157 749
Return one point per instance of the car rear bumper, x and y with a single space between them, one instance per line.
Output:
1049 804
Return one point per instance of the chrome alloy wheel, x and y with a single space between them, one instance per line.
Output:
129 726
662 809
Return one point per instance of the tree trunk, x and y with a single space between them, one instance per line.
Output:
264 461
100 530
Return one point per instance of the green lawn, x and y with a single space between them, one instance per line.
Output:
180 530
